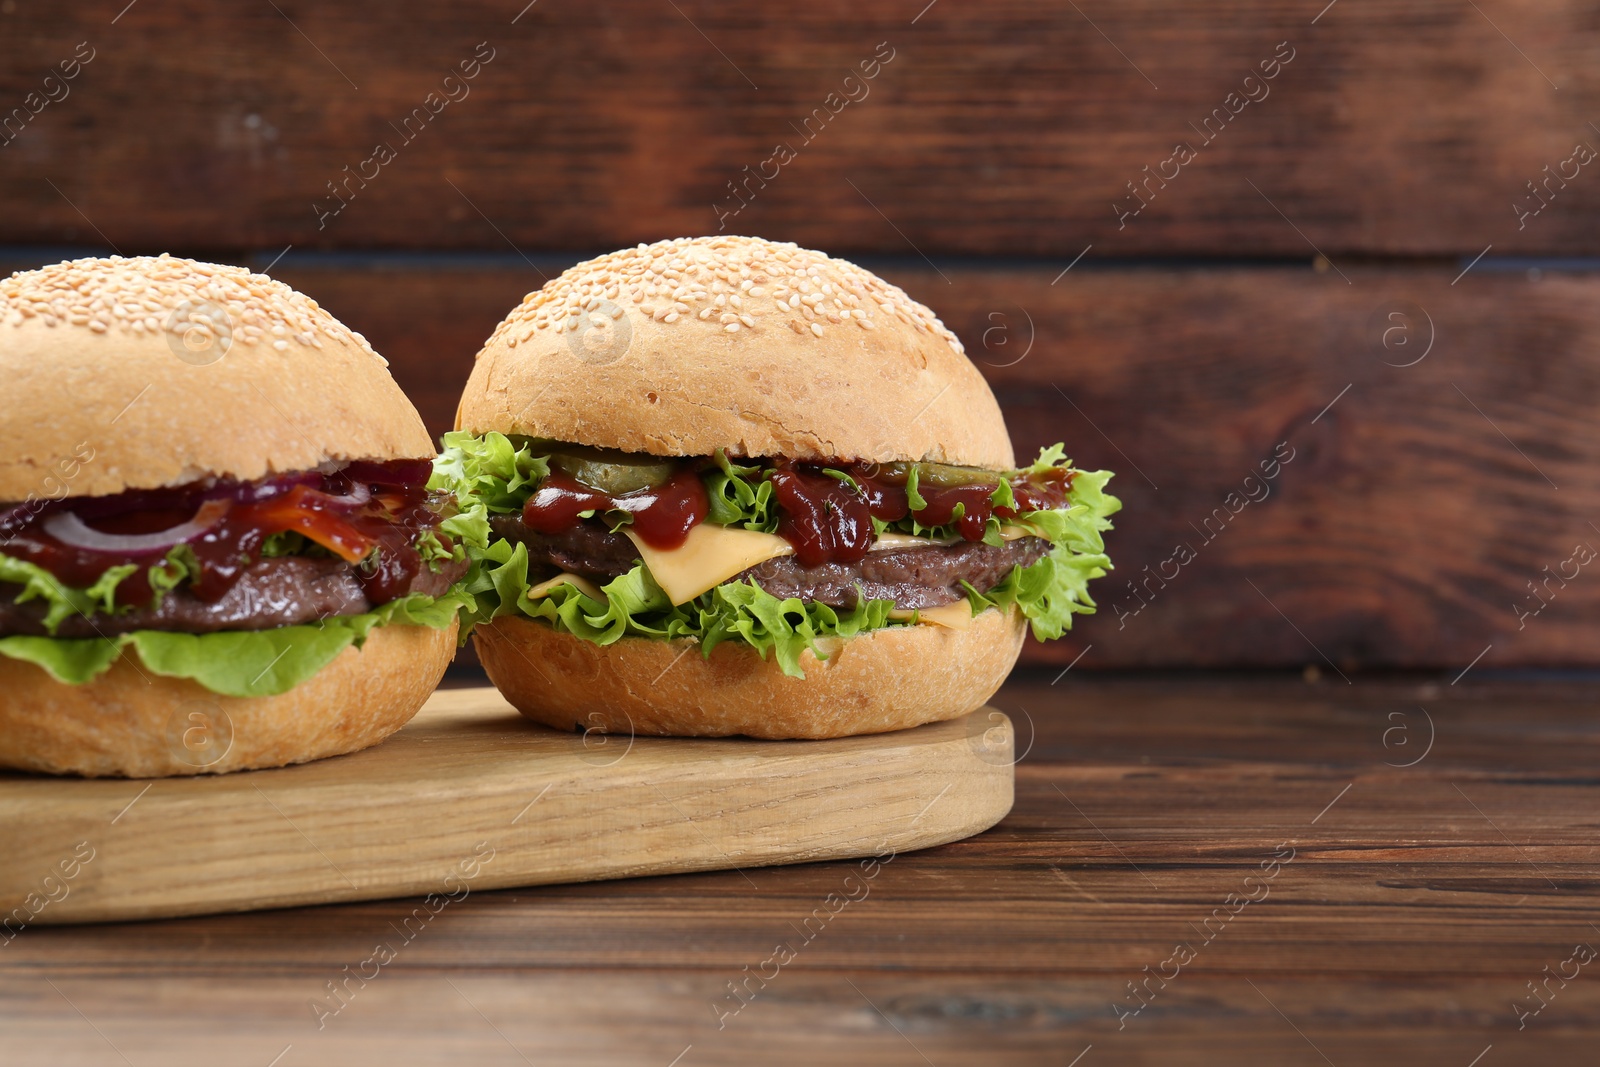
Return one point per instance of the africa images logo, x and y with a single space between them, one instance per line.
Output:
199 332
199 734
601 335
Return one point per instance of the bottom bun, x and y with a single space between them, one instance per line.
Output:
130 723
884 680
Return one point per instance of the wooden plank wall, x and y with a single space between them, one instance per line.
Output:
1291 281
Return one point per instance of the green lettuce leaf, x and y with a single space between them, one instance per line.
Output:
740 497
1054 589
914 499
240 663
1048 593
63 601
636 607
181 565
491 470
745 612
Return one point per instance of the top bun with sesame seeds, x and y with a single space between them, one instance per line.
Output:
760 348
166 370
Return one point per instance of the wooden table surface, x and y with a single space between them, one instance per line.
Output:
1407 916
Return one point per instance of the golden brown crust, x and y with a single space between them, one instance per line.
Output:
116 377
686 346
130 723
884 680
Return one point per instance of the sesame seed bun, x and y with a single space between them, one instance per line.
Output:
764 349
130 723
879 681
148 372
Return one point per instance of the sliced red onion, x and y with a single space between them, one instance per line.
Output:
15 518
69 529
359 494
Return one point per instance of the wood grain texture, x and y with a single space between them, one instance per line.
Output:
508 803
1419 903
1403 532
1399 127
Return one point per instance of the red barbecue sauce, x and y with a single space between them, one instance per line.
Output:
663 515
826 519
316 505
829 521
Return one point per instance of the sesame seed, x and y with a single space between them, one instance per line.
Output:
139 294
662 280
816 328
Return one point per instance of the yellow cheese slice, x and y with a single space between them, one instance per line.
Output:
890 540
710 556
578 582
713 554
957 616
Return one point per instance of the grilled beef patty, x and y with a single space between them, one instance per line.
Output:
912 577
286 591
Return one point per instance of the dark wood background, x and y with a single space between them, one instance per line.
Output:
1302 259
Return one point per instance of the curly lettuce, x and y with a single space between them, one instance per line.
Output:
62 601
635 606
495 475
491 472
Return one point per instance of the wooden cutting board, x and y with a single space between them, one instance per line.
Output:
472 796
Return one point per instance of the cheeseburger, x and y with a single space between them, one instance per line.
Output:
217 545
729 486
